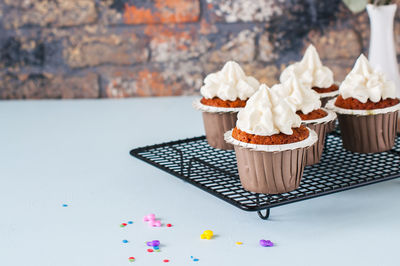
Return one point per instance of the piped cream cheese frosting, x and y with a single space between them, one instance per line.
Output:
310 70
363 83
299 95
266 114
230 83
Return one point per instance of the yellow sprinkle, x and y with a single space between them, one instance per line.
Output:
239 243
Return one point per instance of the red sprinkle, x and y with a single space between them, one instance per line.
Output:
124 224
165 260
150 250
169 225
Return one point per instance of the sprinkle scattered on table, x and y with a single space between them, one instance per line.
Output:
169 225
208 234
124 241
194 259
131 259
151 220
266 243
239 243
130 222
165 260
150 250
65 205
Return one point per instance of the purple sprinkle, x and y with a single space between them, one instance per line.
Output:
149 244
266 243
155 243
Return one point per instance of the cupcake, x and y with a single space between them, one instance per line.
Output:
307 104
311 71
224 93
367 109
270 144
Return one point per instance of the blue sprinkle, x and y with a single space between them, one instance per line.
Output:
156 247
195 259
130 222
65 205
124 241
191 257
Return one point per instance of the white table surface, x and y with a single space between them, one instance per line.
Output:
76 153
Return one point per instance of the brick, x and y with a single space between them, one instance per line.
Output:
268 74
155 80
161 11
266 51
16 51
336 43
47 85
171 44
243 10
121 49
240 47
340 67
57 13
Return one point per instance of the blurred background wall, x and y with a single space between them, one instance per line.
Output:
129 48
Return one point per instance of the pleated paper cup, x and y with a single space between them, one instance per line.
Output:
331 126
327 96
321 127
367 131
217 120
215 125
271 169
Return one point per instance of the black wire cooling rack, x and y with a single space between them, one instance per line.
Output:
215 171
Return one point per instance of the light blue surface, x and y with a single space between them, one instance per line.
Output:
76 153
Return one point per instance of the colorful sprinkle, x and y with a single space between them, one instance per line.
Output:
207 234
156 247
155 243
124 241
130 222
194 259
239 243
169 225
157 250
266 243
131 259
165 260
150 250
65 205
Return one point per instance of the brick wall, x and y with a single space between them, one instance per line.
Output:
128 48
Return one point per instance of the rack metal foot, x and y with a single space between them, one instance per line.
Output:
264 216
260 214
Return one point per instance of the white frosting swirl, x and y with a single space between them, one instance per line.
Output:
300 95
310 70
363 83
229 83
266 114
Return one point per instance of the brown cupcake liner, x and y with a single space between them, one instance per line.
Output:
314 153
368 133
325 100
270 172
398 125
331 126
215 125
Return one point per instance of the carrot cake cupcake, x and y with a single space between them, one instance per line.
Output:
367 109
311 71
270 143
306 103
224 93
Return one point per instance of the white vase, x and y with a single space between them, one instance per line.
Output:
382 52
